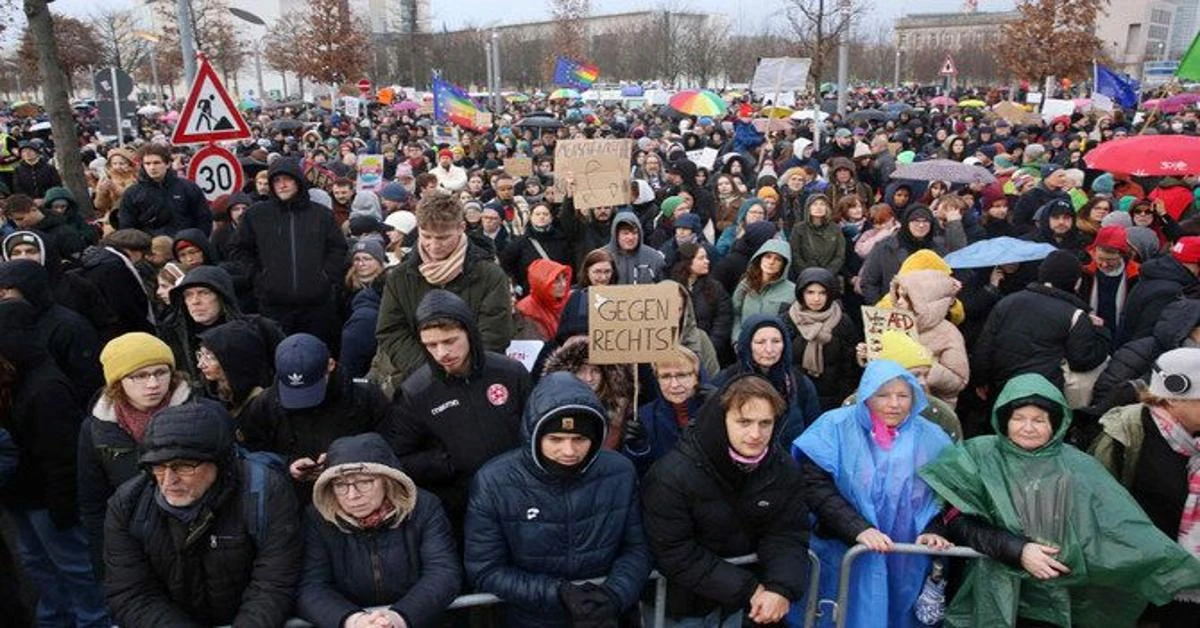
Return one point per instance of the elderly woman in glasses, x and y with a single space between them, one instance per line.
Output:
378 550
140 379
661 422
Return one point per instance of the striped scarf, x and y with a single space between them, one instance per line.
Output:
1185 444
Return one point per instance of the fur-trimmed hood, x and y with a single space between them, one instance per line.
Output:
617 380
368 454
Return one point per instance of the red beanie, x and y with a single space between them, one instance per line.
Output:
446 152
1112 237
990 194
1187 250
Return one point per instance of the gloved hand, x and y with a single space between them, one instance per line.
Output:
635 437
589 605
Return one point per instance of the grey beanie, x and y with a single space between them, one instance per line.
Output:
1143 241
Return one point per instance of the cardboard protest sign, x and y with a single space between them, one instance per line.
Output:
630 324
518 166
877 320
1055 107
703 157
601 170
370 173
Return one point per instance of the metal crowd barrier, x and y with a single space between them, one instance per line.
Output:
853 553
472 600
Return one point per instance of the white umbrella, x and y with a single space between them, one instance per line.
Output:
150 110
807 114
40 126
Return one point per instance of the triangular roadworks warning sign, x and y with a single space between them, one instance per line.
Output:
948 68
209 114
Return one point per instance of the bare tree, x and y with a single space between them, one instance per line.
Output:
817 26
57 104
283 48
569 33
75 51
120 45
702 49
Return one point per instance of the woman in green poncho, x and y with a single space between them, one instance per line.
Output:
1071 547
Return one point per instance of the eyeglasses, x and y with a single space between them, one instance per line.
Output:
144 377
1142 212
676 377
342 487
204 356
182 468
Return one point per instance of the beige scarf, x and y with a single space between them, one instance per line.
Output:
817 329
443 272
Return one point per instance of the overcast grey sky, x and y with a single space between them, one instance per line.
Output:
455 13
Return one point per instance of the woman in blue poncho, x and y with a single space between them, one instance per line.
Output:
860 467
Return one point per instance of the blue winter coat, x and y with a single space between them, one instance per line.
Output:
528 531
662 431
882 485
358 334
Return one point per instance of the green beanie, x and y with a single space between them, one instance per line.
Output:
670 204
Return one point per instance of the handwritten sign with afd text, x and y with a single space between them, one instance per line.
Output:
518 166
631 324
600 168
877 320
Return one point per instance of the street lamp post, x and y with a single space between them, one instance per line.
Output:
896 71
247 16
843 58
153 39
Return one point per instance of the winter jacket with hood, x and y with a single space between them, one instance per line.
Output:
530 527
58 231
1176 196
774 298
841 372
931 294
803 403
714 312
292 249
732 266
482 284
1033 331
701 508
408 563
36 180
616 380
540 305
1028 204
180 332
730 235
246 358
68 337
837 191
521 253
448 426
642 266
358 333
821 246
164 207
1161 280
113 274
885 258
216 570
1134 360
853 483
1006 487
69 289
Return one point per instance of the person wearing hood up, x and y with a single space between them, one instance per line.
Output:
458 410
696 500
765 288
860 466
1051 188
843 181
235 362
687 230
55 230
636 262
612 383
1160 281
929 293
223 234
372 538
549 288
558 510
295 254
1059 528
71 290
752 210
161 203
682 174
68 337
201 300
817 241
918 230
1056 226
823 337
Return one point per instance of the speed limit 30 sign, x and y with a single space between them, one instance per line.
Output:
216 171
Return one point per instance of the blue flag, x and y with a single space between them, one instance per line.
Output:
1121 90
572 73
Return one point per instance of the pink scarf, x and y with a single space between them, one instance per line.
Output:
883 434
1184 444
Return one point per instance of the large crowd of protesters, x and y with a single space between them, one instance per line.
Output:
298 400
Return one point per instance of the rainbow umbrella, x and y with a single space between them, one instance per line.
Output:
564 93
698 102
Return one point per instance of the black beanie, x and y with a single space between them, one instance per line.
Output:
584 423
1060 269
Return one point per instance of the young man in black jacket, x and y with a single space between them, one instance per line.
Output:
459 410
201 536
162 203
295 254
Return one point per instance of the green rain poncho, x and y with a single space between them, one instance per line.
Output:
1059 496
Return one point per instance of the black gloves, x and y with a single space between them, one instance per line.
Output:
635 437
589 605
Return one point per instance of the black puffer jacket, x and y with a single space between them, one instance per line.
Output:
1033 331
411 567
164 207
106 269
516 257
1134 359
226 567
1160 281
448 426
714 314
699 509
293 249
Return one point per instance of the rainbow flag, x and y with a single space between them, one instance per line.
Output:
572 73
452 104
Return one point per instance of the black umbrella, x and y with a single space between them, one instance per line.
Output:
868 115
539 122
286 124
294 104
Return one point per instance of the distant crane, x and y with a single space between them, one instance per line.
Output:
970 6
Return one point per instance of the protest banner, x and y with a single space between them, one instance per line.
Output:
601 170
877 320
518 166
631 324
370 173
1056 107
703 157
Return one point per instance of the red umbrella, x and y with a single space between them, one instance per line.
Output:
1148 156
